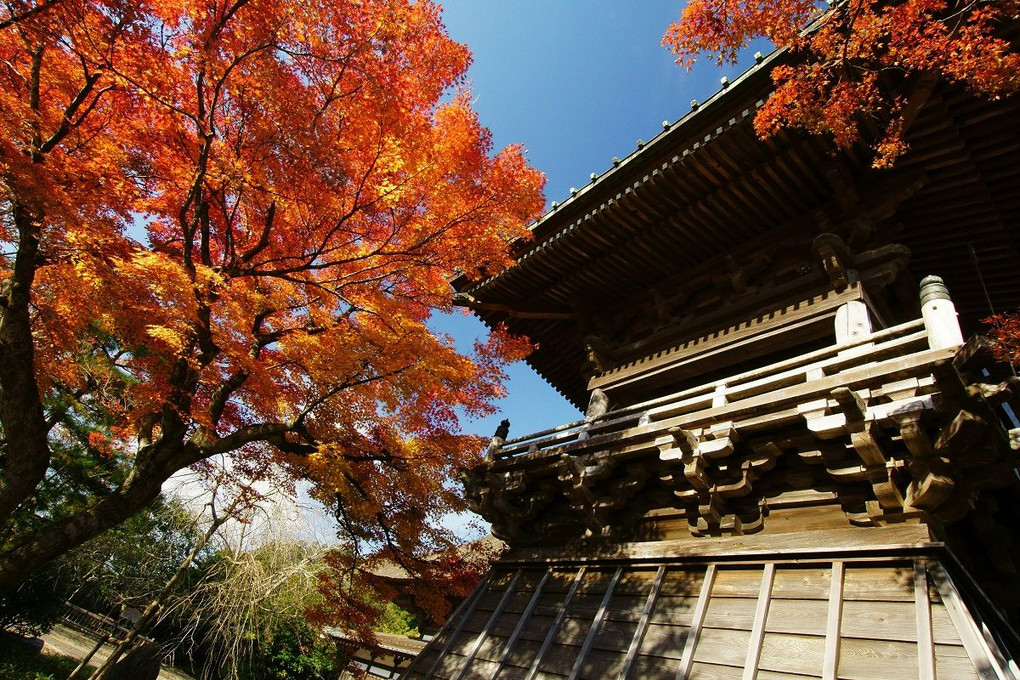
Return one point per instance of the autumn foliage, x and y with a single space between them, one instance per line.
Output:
851 52
226 223
1003 332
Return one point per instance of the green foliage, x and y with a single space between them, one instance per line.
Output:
297 652
397 621
127 565
132 562
249 613
37 604
79 472
18 662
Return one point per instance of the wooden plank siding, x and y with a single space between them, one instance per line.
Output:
849 618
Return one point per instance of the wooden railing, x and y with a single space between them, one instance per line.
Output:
98 626
90 623
890 355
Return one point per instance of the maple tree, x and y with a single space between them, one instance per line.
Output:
309 176
850 50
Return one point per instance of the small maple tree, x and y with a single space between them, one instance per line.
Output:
850 51
308 178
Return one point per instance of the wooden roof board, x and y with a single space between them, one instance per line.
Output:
671 618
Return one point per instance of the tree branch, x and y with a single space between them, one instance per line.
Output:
27 14
66 123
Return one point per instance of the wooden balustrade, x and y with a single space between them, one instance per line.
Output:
883 428
894 345
98 626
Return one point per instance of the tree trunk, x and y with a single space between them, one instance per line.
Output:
88 657
53 540
26 449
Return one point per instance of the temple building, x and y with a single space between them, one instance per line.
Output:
799 457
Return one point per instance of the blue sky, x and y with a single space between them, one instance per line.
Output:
577 82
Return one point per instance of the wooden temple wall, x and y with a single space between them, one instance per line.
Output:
784 521
855 618
791 464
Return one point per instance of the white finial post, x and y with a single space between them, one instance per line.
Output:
939 314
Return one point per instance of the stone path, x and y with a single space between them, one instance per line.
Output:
63 640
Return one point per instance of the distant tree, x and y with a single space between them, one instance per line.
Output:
850 49
176 580
297 651
308 179
396 620
248 613
127 565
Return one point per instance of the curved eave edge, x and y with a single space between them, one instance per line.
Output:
677 131
531 364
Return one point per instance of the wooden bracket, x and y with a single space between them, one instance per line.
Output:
837 260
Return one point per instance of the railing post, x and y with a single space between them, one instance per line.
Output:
939 314
852 322
598 406
497 441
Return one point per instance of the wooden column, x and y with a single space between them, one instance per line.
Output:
464 611
691 643
922 607
642 628
761 613
521 622
493 619
554 629
596 625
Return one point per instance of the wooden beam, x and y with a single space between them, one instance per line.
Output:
766 327
472 303
465 610
642 628
596 624
922 606
830 660
555 627
984 654
691 643
477 644
761 613
835 543
525 615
